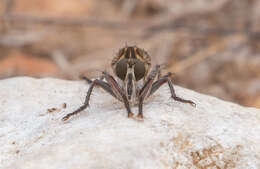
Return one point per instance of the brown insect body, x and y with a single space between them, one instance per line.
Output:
134 81
131 67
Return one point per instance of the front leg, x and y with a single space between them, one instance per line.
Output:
119 92
167 79
96 82
146 89
88 80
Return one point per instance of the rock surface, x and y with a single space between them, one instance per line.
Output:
215 134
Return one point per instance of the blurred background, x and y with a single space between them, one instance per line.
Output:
213 46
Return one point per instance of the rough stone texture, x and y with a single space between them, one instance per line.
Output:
215 134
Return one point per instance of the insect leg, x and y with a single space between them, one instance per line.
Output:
96 82
146 89
119 92
156 85
88 80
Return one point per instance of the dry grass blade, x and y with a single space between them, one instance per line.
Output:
81 21
201 55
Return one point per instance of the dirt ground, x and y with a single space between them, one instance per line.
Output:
212 46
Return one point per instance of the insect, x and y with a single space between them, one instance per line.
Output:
133 82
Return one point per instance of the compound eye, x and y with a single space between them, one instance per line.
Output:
121 69
139 70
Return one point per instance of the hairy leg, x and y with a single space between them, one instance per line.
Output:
119 92
96 82
146 89
88 80
156 85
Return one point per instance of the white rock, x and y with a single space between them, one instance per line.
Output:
215 134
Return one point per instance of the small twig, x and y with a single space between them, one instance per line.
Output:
16 38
